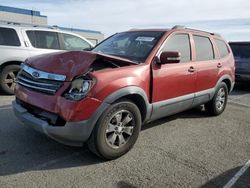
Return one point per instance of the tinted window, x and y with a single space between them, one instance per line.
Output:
204 48
179 43
9 37
44 39
133 45
241 50
72 42
222 47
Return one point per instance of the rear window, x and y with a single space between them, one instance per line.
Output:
204 48
223 49
8 37
241 50
44 39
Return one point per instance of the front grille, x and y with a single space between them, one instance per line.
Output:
43 85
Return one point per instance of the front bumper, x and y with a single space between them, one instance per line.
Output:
72 133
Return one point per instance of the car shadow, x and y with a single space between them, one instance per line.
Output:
23 149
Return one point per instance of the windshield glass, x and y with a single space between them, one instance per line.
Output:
135 45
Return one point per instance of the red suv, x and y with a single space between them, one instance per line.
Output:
103 97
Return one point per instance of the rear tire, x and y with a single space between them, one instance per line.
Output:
116 130
218 104
8 77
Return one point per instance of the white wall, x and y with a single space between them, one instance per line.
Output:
22 18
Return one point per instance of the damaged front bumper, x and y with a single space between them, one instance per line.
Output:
72 133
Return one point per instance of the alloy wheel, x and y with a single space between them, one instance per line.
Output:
10 79
120 129
220 99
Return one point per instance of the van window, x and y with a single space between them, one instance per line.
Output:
179 43
44 39
223 49
241 50
72 42
8 37
203 47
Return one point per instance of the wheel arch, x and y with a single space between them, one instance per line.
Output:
137 96
9 63
227 80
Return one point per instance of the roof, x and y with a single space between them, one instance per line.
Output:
78 30
21 11
26 25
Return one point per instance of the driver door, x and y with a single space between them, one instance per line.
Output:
174 84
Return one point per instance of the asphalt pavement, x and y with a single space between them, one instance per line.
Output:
189 149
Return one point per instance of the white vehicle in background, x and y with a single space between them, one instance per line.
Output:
18 42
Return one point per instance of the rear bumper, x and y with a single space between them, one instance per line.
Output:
72 133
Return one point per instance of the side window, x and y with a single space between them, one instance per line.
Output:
223 49
72 42
9 37
44 39
179 43
241 50
203 47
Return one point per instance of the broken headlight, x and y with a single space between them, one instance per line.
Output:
79 88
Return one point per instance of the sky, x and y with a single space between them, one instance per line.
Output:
231 18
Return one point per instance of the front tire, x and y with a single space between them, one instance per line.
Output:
218 104
8 77
116 131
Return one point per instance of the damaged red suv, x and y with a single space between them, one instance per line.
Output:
102 97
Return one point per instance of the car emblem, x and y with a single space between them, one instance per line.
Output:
35 74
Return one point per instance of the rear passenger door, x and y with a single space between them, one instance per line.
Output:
207 68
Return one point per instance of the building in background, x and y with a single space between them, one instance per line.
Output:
32 17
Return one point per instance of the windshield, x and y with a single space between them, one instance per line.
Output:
135 45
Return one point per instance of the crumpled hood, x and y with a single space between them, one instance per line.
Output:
70 64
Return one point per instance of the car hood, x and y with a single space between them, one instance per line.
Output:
70 64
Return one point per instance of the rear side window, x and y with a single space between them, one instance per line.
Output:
241 50
179 43
72 42
9 37
44 39
203 47
223 49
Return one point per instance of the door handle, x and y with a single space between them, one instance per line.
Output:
191 69
219 65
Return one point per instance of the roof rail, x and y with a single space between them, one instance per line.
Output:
183 27
198 30
179 27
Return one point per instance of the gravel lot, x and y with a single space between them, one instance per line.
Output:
189 149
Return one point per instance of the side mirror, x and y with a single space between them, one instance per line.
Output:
169 57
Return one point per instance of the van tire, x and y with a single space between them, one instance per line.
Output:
8 77
218 104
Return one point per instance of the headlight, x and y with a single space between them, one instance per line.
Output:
78 89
